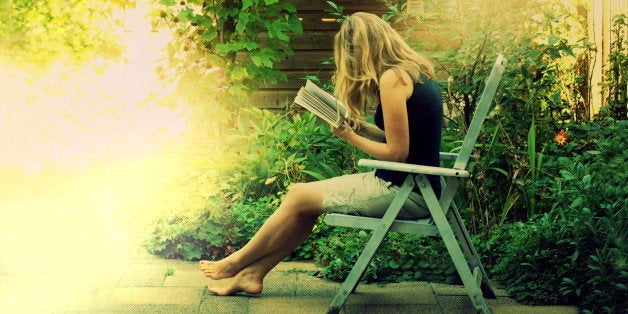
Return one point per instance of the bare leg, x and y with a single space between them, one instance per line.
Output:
251 278
278 232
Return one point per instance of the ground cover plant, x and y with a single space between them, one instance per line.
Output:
547 201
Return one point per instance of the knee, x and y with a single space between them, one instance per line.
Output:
303 198
296 193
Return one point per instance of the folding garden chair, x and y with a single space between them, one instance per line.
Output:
444 213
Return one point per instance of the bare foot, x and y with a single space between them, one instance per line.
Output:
221 269
244 281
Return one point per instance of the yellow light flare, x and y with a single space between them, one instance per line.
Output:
85 154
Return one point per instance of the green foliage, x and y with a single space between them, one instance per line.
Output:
597 147
576 259
169 272
247 217
402 257
244 39
616 76
269 152
541 90
44 32
192 236
576 252
212 232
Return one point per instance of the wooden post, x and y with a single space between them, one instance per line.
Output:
601 13
596 35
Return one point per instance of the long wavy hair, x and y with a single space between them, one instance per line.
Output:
364 48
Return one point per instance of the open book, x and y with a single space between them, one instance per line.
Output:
321 103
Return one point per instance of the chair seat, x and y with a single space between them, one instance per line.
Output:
422 226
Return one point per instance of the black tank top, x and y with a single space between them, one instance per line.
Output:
425 114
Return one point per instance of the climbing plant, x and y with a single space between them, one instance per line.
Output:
234 44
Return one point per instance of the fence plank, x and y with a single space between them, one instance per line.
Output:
348 5
273 99
296 79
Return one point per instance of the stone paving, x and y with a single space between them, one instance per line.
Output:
144 283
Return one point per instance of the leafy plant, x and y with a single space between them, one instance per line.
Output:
541 90
577 248
402 257
615 78
44 32
198 234
280 150
234 43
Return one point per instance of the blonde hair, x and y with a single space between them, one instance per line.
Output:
364 48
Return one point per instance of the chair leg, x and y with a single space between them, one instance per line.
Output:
469 250
458 258
352 280
453 215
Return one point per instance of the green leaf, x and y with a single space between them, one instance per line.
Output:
243 20
269 2
185 15
248 3
553 39
167 2
261 60
191 252
315 175
393 264
289 7
423 264
567 175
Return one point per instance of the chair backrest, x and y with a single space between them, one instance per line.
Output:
480 113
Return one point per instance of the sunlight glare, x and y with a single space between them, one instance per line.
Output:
85 154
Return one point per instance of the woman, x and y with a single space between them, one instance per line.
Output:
374 65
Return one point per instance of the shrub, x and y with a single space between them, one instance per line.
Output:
576 252
211 233
268 152
195 235
401 257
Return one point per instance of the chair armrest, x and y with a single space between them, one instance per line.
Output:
411 168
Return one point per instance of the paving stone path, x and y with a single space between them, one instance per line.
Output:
143 283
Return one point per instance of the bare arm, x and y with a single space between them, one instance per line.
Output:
394 91
371 131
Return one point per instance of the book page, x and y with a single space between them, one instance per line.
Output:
315 105
327 98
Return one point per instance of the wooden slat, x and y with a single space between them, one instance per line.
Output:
296 79
314 40
351 5
303 60
273 99
311 61
318 22
310 40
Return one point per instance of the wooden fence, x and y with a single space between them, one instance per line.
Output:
311 49
600 15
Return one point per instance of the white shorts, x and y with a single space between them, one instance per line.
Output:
364 194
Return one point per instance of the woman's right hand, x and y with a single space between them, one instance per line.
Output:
343 131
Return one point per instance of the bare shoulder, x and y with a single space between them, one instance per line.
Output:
396 79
